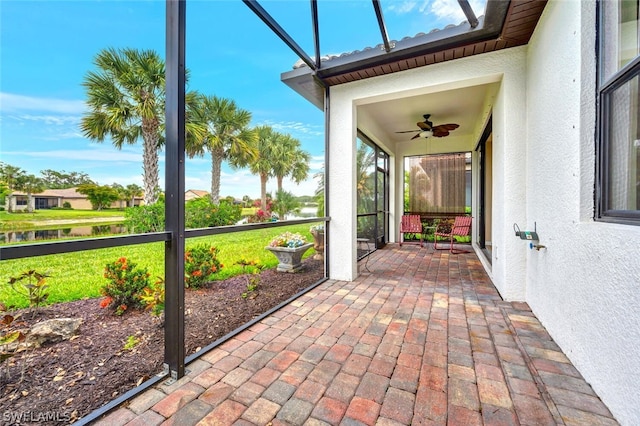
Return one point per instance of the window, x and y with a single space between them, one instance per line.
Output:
438 183
618 193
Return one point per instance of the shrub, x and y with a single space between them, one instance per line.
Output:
125 286
251 269
153 297
66 205
200 262
34 289
145 219
203 213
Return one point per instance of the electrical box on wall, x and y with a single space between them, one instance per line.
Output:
528 235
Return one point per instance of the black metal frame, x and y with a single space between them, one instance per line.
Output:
174 352
604 94
379 240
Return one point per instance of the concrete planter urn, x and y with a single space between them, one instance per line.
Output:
318 244
289 258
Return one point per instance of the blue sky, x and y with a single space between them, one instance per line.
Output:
47 47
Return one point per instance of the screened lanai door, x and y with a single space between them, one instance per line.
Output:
372 182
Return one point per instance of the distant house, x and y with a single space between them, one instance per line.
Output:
192 194
57 198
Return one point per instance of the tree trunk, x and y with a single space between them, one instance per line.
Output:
263 191
279 178
216 170
150 160
29 202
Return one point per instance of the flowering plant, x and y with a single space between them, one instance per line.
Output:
124 286
200 262
316 228
288 239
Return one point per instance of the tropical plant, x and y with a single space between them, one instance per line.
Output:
126 98
125 285
131 192
262 166
220 127
288 159
285 203
10 174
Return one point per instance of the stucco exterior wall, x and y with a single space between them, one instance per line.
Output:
584 286
505 68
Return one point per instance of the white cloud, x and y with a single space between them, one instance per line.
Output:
13 103
58 120
294 127
451 10
101 155
402 7
445 10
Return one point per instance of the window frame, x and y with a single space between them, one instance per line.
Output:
605 91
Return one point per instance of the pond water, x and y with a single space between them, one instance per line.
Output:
16 236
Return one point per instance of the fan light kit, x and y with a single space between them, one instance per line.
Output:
427 129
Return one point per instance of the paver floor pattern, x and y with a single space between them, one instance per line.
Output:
422 339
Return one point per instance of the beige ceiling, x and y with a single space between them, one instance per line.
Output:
469 107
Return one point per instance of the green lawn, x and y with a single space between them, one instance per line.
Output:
29 220
79 275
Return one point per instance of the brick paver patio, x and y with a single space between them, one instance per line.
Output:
421 339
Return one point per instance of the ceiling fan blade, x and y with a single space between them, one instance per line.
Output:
410 131
440 133
450 126
424 126
416 136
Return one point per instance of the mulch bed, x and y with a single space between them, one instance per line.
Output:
78 376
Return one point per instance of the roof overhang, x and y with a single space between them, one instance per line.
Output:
505 24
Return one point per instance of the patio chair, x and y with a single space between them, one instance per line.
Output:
410 223
461 227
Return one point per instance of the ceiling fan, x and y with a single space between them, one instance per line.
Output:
427 129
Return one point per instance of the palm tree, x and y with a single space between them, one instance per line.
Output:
285 203
289 160
263 166
10 175
221 128
126 102
132 191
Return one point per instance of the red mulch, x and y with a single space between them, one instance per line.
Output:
78 376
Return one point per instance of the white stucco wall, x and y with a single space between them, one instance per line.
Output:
507 69
585 286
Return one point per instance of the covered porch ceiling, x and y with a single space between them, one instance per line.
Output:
503 24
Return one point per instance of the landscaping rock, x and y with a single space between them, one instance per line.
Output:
53 330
